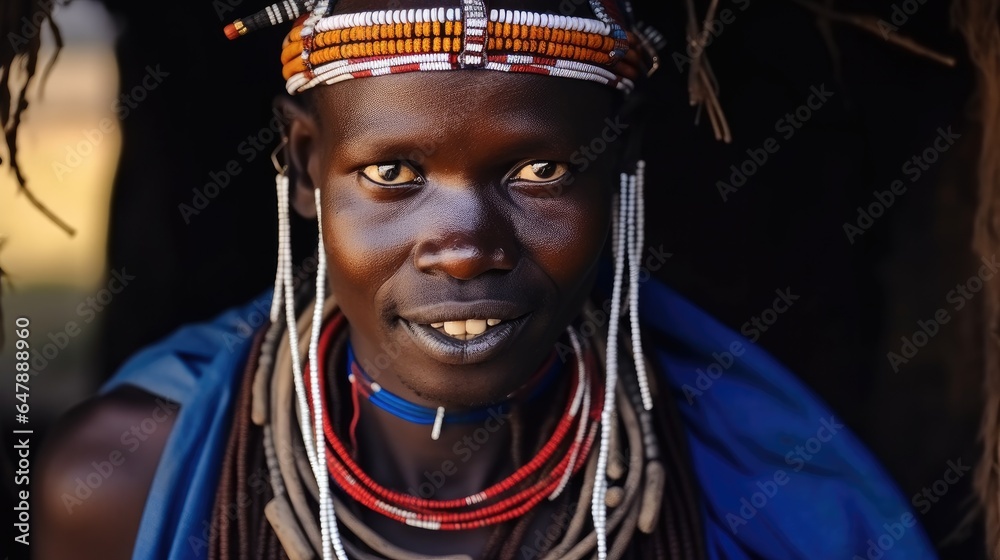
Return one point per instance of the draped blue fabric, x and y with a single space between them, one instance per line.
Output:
199 367
780 477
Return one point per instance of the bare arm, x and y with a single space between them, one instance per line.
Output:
96 469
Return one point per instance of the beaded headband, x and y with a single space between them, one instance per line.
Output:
324 49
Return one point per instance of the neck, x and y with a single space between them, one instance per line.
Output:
465 458
458 455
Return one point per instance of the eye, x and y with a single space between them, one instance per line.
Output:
392 174
541 172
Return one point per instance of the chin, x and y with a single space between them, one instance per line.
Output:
477 383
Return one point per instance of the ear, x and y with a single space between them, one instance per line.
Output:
302 132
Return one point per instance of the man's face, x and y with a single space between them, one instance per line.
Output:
462 223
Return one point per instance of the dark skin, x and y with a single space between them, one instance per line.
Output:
480 204
465 218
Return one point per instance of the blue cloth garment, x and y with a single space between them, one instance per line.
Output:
780 477
199 367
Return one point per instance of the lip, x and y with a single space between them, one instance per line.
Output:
455 311
446 349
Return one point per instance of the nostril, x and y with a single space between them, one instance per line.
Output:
462 258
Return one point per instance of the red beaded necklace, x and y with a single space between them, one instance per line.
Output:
509 498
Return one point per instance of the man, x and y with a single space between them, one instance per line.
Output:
476 393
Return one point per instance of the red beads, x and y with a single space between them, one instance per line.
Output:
507 499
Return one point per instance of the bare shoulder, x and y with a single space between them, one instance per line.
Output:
95 471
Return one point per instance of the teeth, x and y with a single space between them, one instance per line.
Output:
475 326
464 330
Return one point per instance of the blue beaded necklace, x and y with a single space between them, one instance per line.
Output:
417 414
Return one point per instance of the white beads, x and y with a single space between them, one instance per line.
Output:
475 499
581 399
517 17
438 420
281 186
328 522
395 510
598 505
431 525
553 21
636 226
341 70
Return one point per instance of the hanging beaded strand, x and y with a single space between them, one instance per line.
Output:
508 41
281 187
328 518
584 402
286 295
598 502
636 235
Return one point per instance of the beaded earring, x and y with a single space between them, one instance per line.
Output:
284 300
627 224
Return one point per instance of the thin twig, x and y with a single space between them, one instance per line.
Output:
870 24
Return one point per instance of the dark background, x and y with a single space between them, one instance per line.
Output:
782 229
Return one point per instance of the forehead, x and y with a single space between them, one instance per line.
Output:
465 101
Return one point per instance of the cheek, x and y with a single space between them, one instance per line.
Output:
567 237
365 243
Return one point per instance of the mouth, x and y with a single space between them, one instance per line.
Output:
481 334
466 329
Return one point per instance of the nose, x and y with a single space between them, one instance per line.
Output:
469 237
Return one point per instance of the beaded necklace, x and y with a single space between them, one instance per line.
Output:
545 476
364 386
